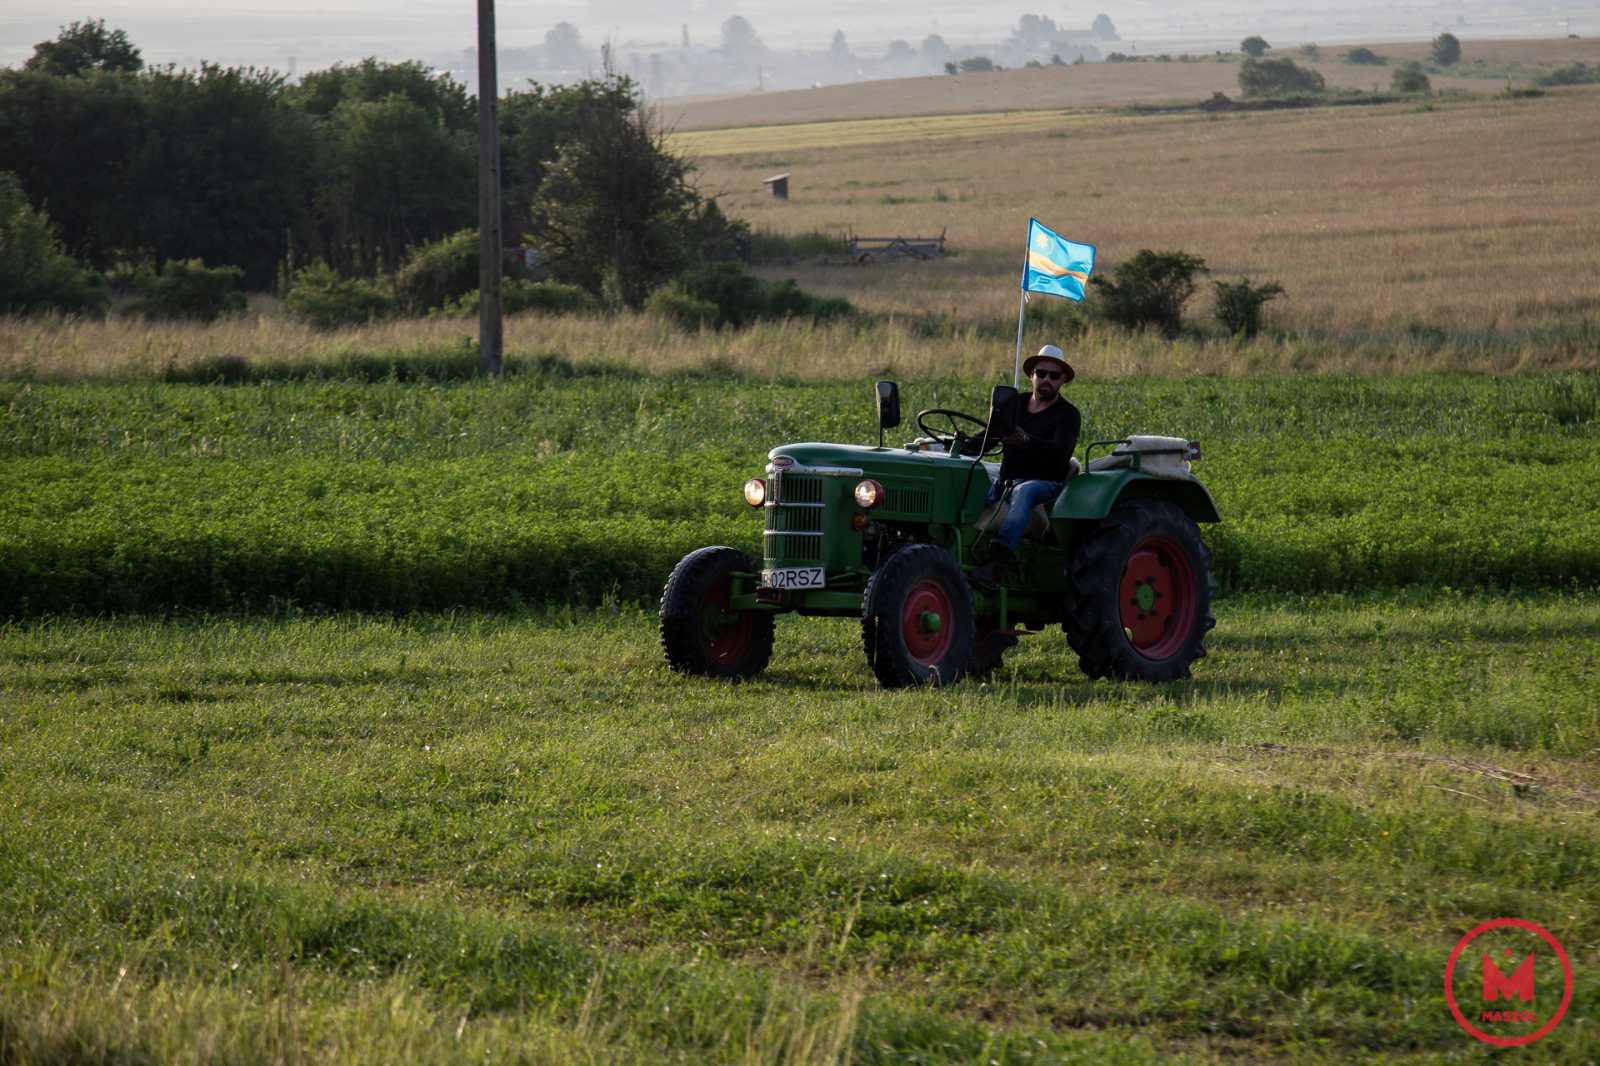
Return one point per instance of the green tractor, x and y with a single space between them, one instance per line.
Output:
889 535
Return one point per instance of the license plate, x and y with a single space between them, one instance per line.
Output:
793 577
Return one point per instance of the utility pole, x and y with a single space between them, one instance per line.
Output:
490 325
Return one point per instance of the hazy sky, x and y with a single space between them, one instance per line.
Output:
309 34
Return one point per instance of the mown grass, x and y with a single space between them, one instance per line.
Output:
554 488
450 837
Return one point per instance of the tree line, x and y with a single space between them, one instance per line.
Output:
351 166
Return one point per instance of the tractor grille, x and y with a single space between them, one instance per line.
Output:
789 519
915 499
794 547
797 489
795 516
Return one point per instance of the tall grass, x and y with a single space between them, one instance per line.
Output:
934 342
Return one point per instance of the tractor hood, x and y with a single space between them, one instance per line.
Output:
843 459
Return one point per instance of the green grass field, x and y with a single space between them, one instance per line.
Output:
466 836
565 490
278 834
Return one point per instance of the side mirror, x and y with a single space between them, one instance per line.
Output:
888 405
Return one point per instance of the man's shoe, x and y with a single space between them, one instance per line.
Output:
993 573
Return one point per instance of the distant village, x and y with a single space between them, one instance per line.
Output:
739 61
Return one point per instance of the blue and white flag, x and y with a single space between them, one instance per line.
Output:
1055 266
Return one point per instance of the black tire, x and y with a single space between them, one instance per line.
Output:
988 652
698 633
902 649
1140 604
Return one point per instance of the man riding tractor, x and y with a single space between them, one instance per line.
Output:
947 560
1038 432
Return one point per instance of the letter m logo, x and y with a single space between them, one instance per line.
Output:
1497 985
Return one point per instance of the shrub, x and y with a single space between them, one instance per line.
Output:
1149 290
188 289
788 300
737 298
1446 49
1311 51
1254 46
977 65
518 295
1364 57
1273 77
1410 78
1239 305
1573 74
35 274
438 272
325 300
765 244
672 302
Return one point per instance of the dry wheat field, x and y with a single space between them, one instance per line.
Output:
1474 214
1486 65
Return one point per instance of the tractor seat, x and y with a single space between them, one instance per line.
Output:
1038 522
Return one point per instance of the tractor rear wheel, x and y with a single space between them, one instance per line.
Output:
1140 605
917 618
700 632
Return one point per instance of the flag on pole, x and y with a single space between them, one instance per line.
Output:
1055 265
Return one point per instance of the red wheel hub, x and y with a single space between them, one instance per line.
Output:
1157 595
727 633
925 622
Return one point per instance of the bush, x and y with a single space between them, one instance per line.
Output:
1254 46
1275 77
977 65
1573 74
737 299
1446 49
188 289
1364 57
433 274
1311 51
675 304
1410 78
765 244
518 295
1239 305
35 274
1149 290
320 297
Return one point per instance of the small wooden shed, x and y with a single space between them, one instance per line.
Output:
780 185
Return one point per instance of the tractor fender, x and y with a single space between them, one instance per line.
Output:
1092 495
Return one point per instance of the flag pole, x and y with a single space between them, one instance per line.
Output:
1016 367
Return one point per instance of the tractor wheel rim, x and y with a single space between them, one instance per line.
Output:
926 643
726 633
1157 597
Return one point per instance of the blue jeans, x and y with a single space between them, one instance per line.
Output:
1025 496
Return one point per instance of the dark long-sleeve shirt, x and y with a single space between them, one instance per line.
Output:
1052 437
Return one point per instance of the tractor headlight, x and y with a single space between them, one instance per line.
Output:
869 494
755 492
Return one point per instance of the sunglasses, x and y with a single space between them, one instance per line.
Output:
1049 375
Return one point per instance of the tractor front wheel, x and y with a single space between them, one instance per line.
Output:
700 632
917 619
1140 605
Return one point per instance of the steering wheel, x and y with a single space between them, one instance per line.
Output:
947 425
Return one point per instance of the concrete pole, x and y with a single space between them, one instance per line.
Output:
490 325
